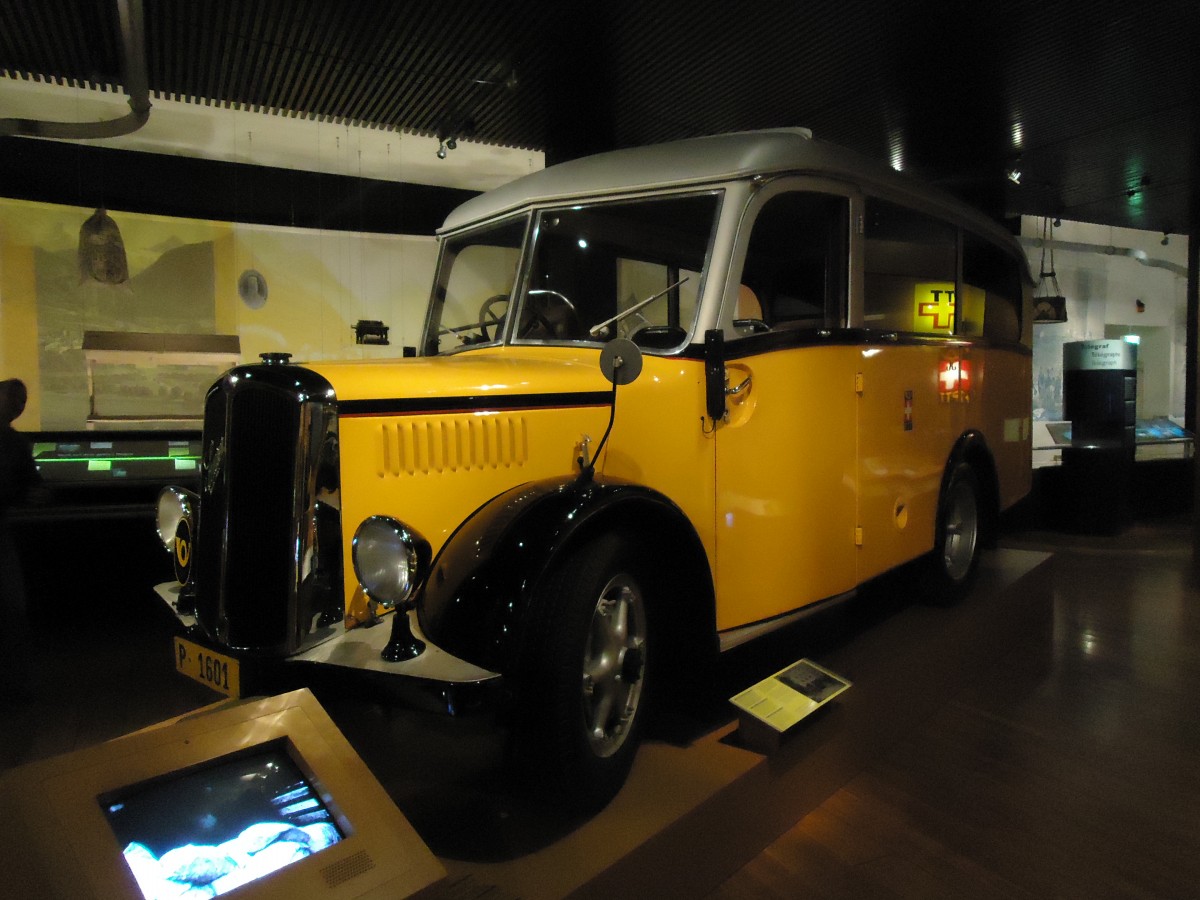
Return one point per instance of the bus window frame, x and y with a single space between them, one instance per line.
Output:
767 191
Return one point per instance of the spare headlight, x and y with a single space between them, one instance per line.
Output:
390 560
175 504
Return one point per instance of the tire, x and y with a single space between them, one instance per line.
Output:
583 683
951 568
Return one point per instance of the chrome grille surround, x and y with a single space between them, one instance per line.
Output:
268 565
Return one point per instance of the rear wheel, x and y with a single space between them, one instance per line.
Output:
584 675
950 570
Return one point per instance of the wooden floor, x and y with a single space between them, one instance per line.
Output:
1068 765
1069 768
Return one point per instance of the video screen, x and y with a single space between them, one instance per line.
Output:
206 831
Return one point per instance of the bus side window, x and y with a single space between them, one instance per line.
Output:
991 290
911 268
796 263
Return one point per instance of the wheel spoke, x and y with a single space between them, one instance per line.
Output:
600 711
600 667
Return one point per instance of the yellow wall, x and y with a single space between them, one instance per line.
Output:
18 327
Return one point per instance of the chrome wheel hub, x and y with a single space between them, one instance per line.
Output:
962 531
614 664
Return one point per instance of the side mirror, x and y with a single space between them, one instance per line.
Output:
621 361
714 373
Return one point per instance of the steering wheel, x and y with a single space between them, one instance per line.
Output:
488 315
548 314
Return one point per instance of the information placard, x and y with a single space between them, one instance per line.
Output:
783 699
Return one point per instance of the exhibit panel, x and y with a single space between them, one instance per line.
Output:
265 797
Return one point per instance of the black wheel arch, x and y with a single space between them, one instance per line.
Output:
972 448
476 600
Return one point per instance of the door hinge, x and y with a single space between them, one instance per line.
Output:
858 382
858 539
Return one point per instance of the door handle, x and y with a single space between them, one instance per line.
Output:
734 391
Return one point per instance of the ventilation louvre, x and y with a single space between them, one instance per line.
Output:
428 447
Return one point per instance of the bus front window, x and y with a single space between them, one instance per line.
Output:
475 280
630 269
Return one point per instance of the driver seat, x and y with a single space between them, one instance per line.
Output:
748 313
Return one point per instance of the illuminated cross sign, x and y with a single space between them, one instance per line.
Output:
948 377
936 314
954 379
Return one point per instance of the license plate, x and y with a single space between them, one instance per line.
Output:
217 671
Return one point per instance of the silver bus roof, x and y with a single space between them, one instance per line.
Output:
709 160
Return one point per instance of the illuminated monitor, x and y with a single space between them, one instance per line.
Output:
262 799
227 822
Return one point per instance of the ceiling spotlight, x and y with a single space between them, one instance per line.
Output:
451 144
1057 222
441 151
1014 175
1166 239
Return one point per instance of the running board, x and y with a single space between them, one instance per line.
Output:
735 637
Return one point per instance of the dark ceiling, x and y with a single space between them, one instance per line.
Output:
1095 102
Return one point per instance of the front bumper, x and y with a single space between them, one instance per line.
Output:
434 680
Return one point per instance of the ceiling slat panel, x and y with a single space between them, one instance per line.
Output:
1085 94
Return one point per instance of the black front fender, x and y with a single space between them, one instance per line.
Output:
475 599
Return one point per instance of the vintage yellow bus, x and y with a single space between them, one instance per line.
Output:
666 399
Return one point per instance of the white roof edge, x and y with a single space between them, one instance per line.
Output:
676 163
701 160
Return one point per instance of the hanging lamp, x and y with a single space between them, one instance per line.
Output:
101 254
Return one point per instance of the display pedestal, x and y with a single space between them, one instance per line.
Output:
758 736
691 816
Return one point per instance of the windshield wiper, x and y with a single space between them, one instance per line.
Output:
595 330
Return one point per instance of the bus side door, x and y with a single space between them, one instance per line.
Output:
786 452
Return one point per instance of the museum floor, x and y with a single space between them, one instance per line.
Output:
1041 740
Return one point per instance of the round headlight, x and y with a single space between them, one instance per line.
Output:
174 506
390 560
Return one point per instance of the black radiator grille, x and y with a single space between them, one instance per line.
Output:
260 550
245 567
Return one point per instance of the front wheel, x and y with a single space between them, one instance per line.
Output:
583 678
950 570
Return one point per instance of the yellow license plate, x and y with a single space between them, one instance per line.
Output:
217 671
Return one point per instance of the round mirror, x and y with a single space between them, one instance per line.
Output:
621 361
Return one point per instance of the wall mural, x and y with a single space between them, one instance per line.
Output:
183 279
174 294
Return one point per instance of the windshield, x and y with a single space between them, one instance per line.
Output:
630 269
475 281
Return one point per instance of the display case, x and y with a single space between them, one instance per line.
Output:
1159 438
94 474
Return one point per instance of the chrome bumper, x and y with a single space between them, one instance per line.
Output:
359 648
